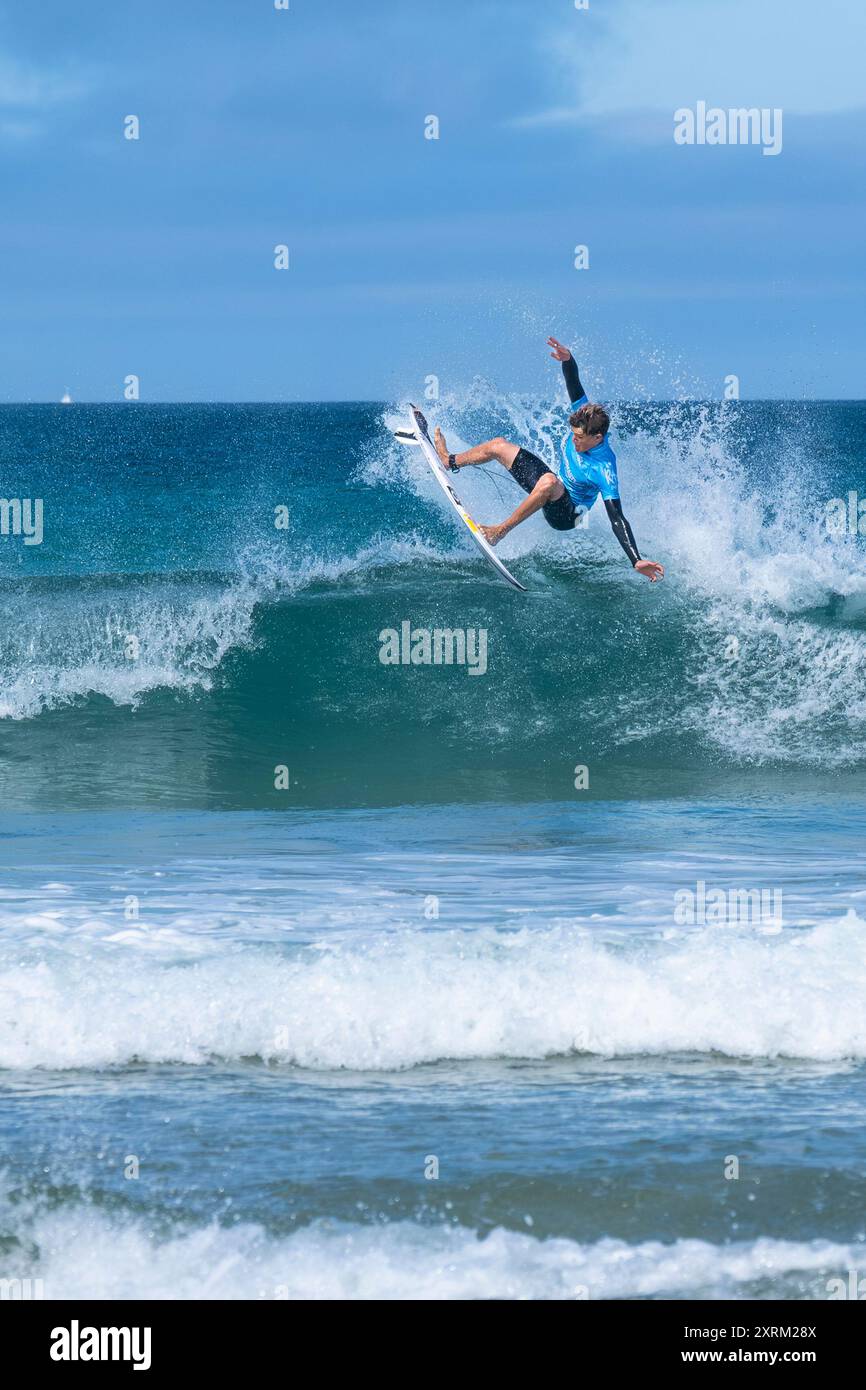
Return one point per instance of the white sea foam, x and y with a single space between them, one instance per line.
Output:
401 1000
79 1252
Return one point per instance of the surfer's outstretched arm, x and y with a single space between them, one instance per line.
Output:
625 536
621 528
569 370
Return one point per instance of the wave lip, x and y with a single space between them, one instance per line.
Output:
116 641
402 1001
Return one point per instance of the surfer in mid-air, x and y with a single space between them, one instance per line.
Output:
587 469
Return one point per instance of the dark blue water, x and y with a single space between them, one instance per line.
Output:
320 976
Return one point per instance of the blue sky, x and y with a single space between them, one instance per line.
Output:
413 256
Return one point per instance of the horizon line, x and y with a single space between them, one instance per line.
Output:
383 401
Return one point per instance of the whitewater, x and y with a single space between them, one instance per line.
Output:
285 996
757 636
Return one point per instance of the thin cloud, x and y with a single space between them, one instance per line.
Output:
729 52
555 116
25 87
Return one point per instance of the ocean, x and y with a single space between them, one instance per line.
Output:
325 977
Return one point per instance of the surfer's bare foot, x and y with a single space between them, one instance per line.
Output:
441 446
493 534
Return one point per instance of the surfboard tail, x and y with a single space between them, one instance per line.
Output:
421 436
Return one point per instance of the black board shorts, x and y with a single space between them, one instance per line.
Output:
526 470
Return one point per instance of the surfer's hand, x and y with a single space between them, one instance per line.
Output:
560 351
492 534
651 569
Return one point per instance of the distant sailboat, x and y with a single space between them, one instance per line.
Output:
66 399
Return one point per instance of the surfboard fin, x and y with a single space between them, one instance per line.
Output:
407 437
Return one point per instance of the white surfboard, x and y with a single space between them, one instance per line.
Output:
419 434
